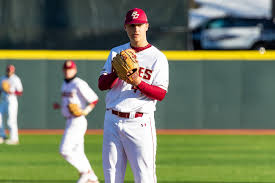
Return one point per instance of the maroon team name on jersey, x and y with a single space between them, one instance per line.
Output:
67 94
145 73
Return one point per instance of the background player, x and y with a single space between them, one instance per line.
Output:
11 87
129 125
76 91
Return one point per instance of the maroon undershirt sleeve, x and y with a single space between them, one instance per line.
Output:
106 82
94 102
151 91
18 93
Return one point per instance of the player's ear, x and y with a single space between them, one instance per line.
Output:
147 26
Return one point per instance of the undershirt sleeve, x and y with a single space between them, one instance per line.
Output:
106 82
151 91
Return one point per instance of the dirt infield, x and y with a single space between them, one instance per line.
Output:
164 131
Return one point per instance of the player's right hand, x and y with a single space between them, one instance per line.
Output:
135 79
56 105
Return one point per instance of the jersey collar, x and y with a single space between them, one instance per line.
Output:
138 49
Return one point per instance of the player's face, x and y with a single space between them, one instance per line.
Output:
69 73
137 33
9 72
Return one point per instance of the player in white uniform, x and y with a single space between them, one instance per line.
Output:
76 91
9 105
129 125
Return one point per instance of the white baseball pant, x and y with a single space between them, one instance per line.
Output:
72 144
10 110
129 139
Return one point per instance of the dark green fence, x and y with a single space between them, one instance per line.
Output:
206 94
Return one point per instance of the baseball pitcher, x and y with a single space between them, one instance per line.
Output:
136 77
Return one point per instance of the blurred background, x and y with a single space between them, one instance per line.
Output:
86 24
98 24
208 89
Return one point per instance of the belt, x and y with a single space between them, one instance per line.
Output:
127 114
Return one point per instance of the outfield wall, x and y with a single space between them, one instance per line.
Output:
208 90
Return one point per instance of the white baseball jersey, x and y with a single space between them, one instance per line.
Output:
15 85
78 92
153 70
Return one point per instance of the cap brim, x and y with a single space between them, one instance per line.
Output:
136 22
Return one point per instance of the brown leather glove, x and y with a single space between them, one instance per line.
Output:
126 65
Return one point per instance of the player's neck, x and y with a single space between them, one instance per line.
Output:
138 44
67 80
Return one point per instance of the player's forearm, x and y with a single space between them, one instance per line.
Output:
151 91
89 107
92 105
106 82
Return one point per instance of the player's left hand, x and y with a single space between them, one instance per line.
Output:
6 86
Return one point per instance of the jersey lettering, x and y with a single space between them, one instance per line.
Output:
67 94
141 71
145 74
135 88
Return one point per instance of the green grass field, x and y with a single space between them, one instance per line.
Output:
180 159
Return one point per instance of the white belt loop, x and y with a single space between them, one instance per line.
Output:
132 115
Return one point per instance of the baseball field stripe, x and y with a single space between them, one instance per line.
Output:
97 55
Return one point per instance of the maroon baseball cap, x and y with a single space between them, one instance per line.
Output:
135 16
69 64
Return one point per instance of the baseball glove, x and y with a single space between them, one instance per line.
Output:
125 65
6 86
75 110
